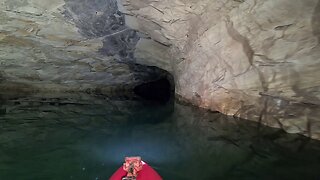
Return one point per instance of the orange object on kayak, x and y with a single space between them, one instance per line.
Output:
135 169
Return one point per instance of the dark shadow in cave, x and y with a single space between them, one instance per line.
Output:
2 109
159 90
157 84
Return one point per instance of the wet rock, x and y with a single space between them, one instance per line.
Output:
257 60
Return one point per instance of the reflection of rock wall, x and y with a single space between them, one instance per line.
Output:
257 59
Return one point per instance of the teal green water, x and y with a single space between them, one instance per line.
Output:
65 137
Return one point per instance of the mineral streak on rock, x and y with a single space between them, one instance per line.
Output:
102 19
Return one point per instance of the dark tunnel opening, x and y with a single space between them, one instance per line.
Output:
161 90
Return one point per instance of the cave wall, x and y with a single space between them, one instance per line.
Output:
254 59
68 46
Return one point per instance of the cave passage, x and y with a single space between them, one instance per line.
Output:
77 136
85 83
160 90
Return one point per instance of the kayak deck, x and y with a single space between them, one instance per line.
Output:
145 172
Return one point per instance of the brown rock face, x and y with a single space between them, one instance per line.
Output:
255 59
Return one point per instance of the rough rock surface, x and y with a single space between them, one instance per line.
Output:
255 59
72 45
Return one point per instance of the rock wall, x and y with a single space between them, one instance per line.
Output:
255 59
71 45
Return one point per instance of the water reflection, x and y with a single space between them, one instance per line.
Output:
84 137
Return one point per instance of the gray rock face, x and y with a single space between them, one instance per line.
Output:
254 59
72 45
102 19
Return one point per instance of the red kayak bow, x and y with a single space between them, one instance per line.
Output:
135 169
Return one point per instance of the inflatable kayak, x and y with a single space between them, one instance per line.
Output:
135 169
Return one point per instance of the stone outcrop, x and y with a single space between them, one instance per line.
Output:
254 59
